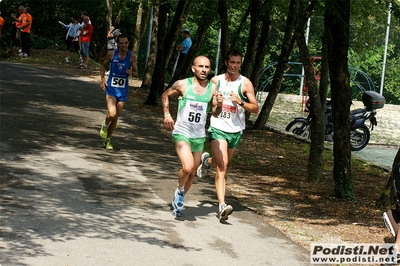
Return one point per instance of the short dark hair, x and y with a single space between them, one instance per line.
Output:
115 24
122 35
85 13
233 52
75 16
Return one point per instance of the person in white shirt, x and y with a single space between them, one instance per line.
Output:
226 130
72 36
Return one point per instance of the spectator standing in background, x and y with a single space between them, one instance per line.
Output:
25 27
72 36
112 37
86 35
1 23
81 25
18 24
183 48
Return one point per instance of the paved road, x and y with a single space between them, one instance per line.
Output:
64 200
379 155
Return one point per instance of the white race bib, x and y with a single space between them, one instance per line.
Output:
118 82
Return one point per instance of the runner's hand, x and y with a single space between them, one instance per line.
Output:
169 122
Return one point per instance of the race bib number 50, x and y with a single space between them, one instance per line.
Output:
118 82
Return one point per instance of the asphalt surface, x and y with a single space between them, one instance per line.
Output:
65 200
378 155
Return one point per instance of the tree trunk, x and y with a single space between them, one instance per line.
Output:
388 196
160 12
206 21
252 40
262 46
151 62
317 123
142 19
109 4
337 17
239 30
287 47
120 9
180 16
223 15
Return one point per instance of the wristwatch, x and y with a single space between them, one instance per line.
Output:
241 103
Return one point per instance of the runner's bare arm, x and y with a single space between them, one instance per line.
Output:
177 89
134 72
103 68
251 105
216 101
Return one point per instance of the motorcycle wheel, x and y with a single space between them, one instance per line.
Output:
300 128
359 138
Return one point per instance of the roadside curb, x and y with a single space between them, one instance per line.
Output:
306 140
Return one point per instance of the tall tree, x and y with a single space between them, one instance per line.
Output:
152 60
239 29
317 104
109 4
262 46
156 81
287 47
166 46
337 28
206 18
252 40
142 19
223 15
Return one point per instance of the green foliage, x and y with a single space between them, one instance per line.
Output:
368 28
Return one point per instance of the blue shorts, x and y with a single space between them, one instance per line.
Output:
119 94
85 48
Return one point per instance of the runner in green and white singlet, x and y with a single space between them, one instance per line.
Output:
197 96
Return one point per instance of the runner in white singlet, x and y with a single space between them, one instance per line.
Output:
196 96
226 130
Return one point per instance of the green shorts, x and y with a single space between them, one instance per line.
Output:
233 139
196 144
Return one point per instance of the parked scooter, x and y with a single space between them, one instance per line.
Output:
359 131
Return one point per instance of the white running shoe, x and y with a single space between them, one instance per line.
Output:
391 219
225 211
202 170
66 60
178 201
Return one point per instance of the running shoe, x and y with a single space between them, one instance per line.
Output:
178 201
107 144
225 211
391 219
176 213
103 130
66 60
202 170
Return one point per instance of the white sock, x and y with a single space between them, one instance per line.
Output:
220 206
